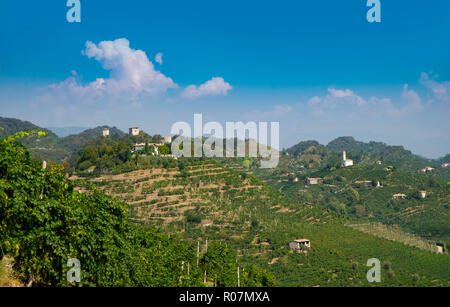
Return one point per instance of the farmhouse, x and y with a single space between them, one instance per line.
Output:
423 194
310 181
426 169
398 196
367 183
141 146
138 146
134 131
346 162
299 244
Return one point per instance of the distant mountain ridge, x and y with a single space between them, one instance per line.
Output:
359 151
76 141
13 125
66 131
51 147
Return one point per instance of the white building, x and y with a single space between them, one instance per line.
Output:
310 181
134 131
398 196
346 162
427 169
105 132
423 194
299 244
167 139
445 165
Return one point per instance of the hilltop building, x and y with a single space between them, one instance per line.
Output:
105 132
141 146
167 139
134 131
346 162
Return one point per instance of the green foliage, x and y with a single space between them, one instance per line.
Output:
43 223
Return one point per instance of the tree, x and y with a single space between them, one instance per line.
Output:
164 149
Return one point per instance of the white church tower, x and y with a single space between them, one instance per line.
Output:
346 162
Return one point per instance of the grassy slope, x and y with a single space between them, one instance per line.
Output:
221 204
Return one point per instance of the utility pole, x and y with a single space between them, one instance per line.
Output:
198 250
239 279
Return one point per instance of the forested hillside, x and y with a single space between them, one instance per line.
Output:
50 147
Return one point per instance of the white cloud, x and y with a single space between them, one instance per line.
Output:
214 87
132 75
410 102
440 90
276 113
337 98
158 58
349 102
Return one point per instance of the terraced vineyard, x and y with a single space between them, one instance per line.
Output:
202 200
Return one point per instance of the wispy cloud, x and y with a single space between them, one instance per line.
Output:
337 98
158 58
349 102
440 90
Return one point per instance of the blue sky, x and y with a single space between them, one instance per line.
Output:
317 67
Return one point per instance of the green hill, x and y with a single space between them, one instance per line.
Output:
51 147
344 192
202 200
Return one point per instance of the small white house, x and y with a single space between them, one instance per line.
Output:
427 169
310 181
398 196
423 194
445 165
105 132
134 131
299 244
